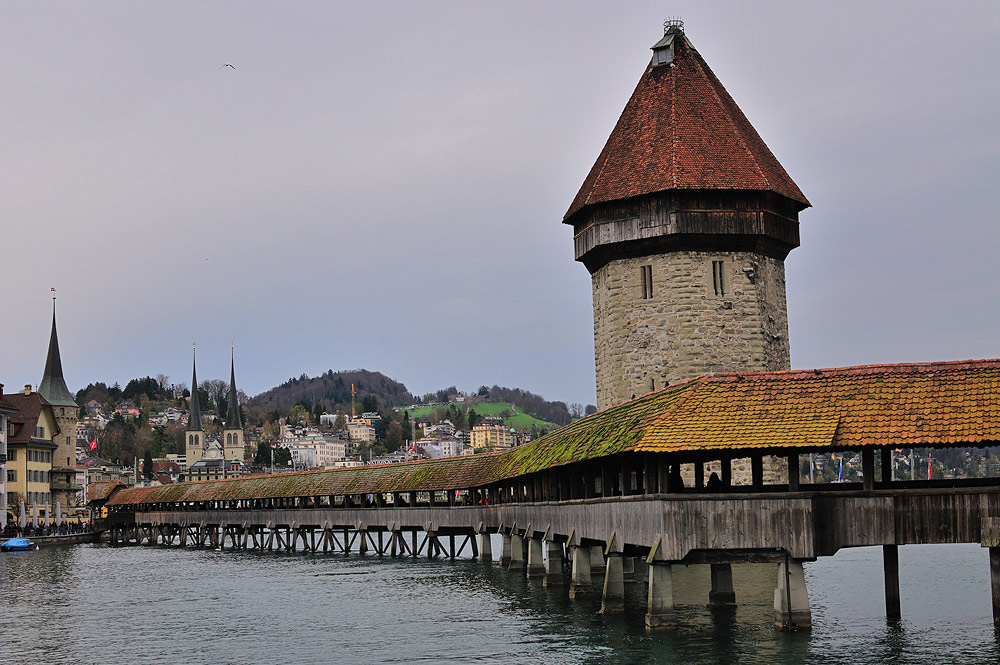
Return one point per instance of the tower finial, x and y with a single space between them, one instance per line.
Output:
674 22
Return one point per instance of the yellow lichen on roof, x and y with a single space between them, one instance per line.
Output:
898 405
953 403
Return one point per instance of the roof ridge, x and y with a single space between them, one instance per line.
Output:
896 368
673 125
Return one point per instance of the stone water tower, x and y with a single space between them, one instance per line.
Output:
684 223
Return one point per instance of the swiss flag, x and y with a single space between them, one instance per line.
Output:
93 444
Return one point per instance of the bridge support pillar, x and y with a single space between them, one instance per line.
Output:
791 601
890 567
579 584
995 583
535 567
516 552
628 568
596 557
660 599
722 594
485 548
505 550
613 598
553 564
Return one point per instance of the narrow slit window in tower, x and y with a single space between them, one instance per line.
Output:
647 282
718 278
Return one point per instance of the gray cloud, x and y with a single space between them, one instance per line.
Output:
383 186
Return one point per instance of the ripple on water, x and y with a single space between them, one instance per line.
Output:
95 603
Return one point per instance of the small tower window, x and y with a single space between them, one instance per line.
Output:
719 277
647 282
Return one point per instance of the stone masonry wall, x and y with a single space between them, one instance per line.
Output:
685 329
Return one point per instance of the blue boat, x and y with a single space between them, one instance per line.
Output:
18 545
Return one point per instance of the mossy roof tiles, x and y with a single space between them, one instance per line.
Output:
101 489
951 403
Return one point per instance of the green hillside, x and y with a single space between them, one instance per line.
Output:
519 420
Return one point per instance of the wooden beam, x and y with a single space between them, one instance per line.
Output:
868 468
890 567
886 466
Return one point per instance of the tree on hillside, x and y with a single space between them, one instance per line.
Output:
590 410
407 427
457 418
147 465
161 440
393 436
473 418
339 423
282 456
146 386
216 389
483 391
299 415
369 404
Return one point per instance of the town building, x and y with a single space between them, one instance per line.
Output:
169 415
684 223
30 452
53 390
215 468
203 455
443 428
6 409
360 431
128 410
451 446
491 436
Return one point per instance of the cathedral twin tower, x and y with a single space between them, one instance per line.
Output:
684 223
197 447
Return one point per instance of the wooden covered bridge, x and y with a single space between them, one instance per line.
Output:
606 495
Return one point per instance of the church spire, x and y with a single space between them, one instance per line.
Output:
194 417
233 414
53 386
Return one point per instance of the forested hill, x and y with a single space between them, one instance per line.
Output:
332 391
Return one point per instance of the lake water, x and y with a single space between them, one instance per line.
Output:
102 604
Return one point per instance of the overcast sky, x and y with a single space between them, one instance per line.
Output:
382 185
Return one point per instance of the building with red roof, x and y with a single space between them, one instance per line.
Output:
684 222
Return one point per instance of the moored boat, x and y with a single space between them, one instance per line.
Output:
18 545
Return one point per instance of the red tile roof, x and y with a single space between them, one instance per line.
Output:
29 408
954 403
927 404
100 490
682 130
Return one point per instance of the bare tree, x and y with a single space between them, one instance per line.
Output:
216 389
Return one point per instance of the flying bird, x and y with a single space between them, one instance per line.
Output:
227 65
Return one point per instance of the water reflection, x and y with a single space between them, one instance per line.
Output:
101 604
